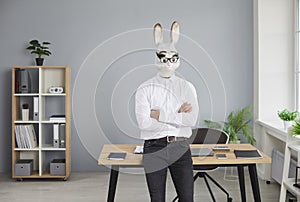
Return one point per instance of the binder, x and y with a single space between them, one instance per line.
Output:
17 81
24 81
62 135
56 135
35 108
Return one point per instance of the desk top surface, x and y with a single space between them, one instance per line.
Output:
136 159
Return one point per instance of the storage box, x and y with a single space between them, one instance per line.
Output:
58 167
24 167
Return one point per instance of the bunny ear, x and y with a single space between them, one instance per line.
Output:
158 35
175 32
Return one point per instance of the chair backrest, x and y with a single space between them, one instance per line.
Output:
208 136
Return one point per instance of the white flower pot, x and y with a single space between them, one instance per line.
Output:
287 124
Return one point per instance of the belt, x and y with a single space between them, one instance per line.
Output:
170 139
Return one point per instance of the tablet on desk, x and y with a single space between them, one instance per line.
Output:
116 156
201 152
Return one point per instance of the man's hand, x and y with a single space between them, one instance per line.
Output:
154 114
185 108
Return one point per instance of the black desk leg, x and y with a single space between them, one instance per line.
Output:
254 182
114 173
242 182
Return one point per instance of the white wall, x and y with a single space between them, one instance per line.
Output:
223 71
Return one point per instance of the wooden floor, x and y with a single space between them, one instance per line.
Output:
131 187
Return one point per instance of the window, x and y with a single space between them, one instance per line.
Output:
297 53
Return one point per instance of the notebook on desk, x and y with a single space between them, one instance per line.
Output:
201 152
247 154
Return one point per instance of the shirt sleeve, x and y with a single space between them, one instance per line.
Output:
142 112
183 119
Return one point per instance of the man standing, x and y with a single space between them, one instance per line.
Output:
166 109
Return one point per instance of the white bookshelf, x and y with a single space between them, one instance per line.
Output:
292 145
42 78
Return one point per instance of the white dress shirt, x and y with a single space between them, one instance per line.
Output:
167 96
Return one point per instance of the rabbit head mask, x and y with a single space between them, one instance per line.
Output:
167 57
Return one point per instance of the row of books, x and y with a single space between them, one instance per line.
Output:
25 136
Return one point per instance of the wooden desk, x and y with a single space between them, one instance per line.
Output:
135 160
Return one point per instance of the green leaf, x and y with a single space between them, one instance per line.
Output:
38 48
30 48
287 115
296 128
47 52
33 42
237 122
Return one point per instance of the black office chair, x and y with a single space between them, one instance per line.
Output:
208 136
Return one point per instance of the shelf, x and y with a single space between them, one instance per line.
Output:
49 122
37 94
53 122
53 94
35 174
295 147
41 79
52 77
289 184
26 94
26 149
30 121
46 174
49 147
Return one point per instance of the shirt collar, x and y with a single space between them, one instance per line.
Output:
161 79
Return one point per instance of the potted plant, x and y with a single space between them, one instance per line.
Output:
237 122
295 130
40 49
287 117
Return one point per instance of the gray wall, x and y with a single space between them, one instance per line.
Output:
216 50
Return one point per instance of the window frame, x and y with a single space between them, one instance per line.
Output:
296 54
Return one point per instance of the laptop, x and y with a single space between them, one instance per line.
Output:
202 152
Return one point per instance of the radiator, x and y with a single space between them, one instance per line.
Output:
277 166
